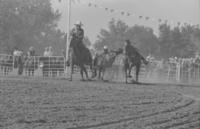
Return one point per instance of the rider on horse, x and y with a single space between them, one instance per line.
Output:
77 33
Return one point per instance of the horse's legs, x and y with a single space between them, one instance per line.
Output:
85 71
99 70
103 73
81 72
94 72
129 71
126 76
71 70
137 71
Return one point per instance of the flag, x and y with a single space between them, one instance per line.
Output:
112 10
75 1
89 4
147 18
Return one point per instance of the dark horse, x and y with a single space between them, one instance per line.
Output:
133 61
80 56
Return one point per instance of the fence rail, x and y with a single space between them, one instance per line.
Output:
55 66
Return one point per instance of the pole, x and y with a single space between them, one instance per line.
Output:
199 11
68 29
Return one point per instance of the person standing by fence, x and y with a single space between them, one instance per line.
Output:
46 52
50 52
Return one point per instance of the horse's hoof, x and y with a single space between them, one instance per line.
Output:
89 79
133 81
129 76
105 80
93 76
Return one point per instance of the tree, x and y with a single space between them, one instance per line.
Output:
25 23
164 41
144 39
114 37
118 31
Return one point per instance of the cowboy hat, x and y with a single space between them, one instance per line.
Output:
78 23
105 47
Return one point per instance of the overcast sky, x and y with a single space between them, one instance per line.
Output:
96 18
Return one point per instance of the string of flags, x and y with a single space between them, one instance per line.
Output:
129 14
146 18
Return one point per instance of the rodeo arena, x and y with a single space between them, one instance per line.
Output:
86 88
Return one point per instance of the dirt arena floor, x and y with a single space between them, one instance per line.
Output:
60 104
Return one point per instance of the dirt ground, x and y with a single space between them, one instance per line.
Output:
60 104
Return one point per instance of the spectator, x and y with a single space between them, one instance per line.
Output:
46 53
32 51
50 52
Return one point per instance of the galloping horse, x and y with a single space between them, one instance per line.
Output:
80 56
104 61
133 61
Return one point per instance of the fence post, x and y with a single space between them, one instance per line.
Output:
168 72
178 69
13 62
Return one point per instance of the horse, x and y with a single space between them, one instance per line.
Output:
135 60
80 56
103 61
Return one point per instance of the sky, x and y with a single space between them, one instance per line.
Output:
96 18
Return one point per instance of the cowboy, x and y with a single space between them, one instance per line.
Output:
77 33
105 50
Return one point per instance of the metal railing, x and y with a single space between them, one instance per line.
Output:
55 66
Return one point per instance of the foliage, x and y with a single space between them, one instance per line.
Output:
118 31
180 41
25 23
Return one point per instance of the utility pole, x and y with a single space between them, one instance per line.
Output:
68 29
198 12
